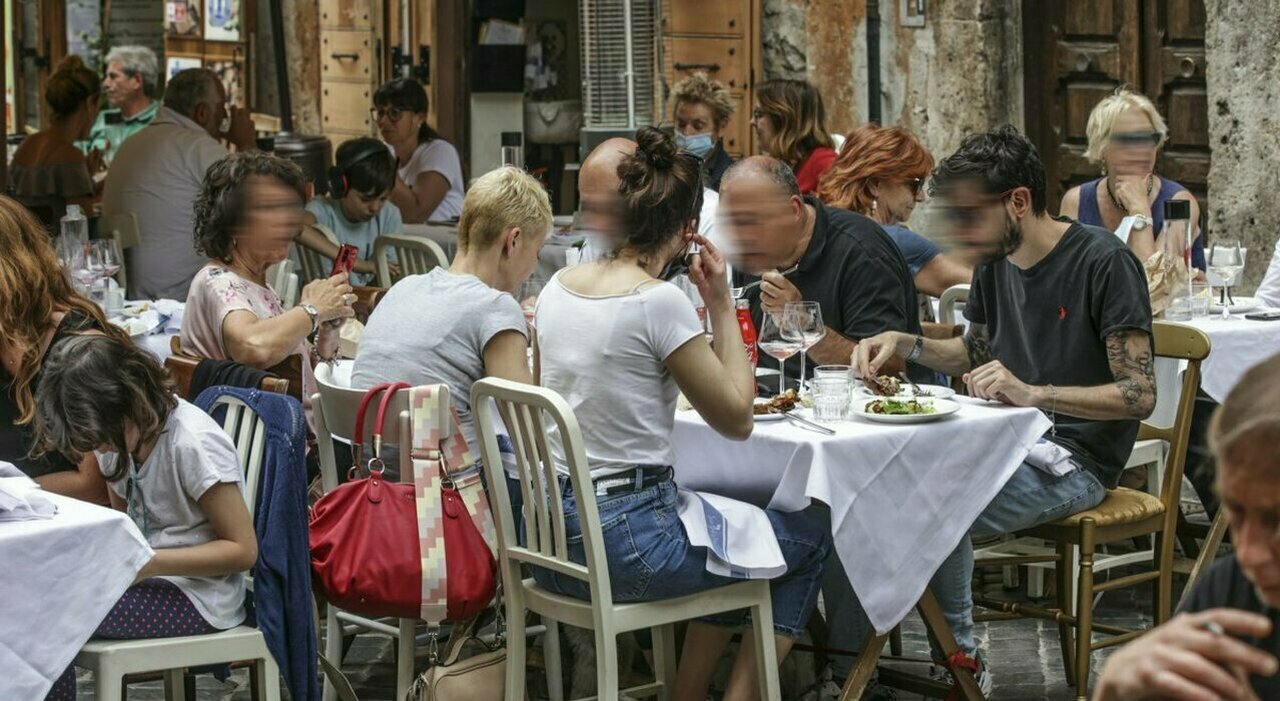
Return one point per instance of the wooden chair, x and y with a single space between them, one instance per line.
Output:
122 229
182 366
414 255
1123 515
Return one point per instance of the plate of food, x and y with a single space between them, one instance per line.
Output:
141 323
905 410
772 409
1239 305
885 386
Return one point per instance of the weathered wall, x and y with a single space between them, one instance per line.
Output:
1242 43
302 59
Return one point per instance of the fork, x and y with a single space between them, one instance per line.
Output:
915 389
737 292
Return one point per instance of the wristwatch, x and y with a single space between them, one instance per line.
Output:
916 350
1141 221
315 317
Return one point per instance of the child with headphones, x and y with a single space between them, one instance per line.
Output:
356 209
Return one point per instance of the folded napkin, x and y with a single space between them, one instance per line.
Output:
1052 458
22 500
739 539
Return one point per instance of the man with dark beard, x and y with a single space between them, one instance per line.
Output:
1060 320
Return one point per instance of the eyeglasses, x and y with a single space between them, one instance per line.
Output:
1136 139
968 215
392 114
756 114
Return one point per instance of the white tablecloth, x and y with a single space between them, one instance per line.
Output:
1235 346
59 577
901 497
158 344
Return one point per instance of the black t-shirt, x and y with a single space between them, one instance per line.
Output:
716 164
1048 325
1225 585
856 274
15 440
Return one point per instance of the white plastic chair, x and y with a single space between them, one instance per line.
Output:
523 408
122 229
284 281
952 297
111 660
310 262
415 255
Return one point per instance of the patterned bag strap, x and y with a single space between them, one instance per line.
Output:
430 475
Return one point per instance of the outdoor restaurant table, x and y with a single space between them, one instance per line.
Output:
1235 346
60 577
158 344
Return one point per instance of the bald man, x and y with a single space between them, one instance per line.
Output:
1224 641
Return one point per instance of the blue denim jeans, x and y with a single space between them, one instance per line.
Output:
650 557
1030 497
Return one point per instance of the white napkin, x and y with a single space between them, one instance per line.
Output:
739 539
1051 457
21 500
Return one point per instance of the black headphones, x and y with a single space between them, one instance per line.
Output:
338 186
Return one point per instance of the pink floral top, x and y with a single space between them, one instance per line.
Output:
215 292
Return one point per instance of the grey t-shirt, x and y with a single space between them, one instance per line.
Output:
433 328
1049 324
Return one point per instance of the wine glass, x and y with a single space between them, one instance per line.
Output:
779 339
79 263
1226 260
806 327
105 259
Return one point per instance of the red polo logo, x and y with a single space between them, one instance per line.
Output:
1062 312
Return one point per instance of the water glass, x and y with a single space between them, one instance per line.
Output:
527 295
831 398
833 371
1201 297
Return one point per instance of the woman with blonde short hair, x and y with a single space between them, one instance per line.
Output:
1125 135
702 112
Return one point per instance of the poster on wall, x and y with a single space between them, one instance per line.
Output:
222 20
182 18
176 64
232 79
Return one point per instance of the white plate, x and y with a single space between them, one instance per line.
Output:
768 417
144 324
944 407
1242 305
934 391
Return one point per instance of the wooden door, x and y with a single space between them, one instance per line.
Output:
721 37
350 68
1174 63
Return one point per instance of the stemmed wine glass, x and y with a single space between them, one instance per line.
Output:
779 339
105 259
1226 260
807 328
79 263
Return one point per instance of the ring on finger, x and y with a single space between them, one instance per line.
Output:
348 299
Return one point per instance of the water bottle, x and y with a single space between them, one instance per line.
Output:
513 149
74 226
1176 236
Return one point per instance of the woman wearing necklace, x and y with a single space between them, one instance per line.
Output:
1125 135
247 214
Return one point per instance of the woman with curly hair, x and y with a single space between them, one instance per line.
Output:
790 123
37 308
880 173
248 212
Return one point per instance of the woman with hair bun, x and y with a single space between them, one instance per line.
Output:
619 344
48 172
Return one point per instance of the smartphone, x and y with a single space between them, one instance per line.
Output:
346 260
1268 315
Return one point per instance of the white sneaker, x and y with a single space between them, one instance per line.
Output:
939 673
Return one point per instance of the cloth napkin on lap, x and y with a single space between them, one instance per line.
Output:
739 539
1051 457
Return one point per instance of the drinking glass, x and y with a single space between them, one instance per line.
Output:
80 266
1226 261
779 339
807 328
527 295
836 371
832 396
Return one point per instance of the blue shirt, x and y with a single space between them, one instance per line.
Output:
328 213
1091 215
916 249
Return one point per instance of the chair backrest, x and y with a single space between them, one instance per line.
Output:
951 297
526 411
414 255
249 433
1181 342
333 411
122 229
284 281
183 367
311 263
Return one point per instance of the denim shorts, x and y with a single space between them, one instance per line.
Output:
650 557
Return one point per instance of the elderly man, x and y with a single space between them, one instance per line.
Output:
1224 642
1060 320
158 173
799 249
130 88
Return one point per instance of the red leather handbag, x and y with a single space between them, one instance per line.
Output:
369 550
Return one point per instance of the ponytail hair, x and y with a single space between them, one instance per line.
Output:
70 86
407 94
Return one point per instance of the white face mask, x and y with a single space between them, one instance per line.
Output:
225 126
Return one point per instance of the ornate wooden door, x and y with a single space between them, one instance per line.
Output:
1174 67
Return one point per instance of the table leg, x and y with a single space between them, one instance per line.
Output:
862 668
936 623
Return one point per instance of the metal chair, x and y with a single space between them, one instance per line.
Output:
1123 515
111 660
413 254
122 229
523 408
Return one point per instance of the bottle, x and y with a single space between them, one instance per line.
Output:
748 328
1177 228
74 226
513 149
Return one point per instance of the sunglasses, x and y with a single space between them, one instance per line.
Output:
391 113
916 184
1136 139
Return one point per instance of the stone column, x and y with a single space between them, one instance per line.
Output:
1242 47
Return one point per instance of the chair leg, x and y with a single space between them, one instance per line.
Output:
108 684
863 667
404 656
265 677
766 648
664 659
552 660
1063 571
332 648
1084 609
1162 593
175 687
517 645
895 641
606 664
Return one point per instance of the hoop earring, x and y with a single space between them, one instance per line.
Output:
1104 169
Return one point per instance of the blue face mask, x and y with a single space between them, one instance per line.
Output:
698 144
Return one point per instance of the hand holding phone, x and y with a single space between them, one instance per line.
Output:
345 261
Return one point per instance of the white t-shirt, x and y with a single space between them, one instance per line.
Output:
1269 291
605 356
192 455
441 157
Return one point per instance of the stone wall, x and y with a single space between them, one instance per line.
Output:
1242 43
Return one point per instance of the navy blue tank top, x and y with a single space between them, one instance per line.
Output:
1090 214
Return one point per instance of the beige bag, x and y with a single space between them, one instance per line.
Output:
481 677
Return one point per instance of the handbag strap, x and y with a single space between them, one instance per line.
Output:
357 438
382 416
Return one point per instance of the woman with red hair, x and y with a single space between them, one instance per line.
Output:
880 173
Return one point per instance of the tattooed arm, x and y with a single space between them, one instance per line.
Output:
1131 396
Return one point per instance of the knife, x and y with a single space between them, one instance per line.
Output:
805 423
